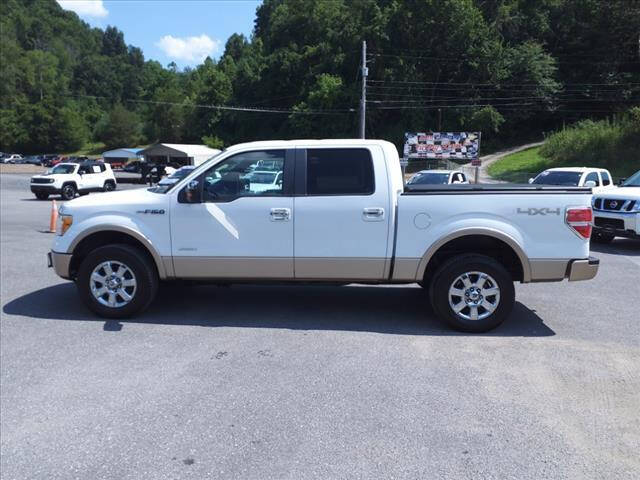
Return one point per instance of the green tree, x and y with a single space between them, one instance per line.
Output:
119 128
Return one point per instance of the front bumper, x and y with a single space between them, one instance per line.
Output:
44 188
61 263
583 269
623 224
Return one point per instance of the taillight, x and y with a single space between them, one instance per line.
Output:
579 219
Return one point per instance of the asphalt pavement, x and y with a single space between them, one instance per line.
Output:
304 382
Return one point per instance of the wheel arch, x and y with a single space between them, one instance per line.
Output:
103 235
494 243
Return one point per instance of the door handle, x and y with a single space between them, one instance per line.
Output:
373 213
280 214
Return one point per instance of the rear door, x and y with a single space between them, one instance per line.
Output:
342 214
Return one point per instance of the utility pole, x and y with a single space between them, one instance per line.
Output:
363 96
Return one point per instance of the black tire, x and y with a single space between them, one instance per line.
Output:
109 186
454 268
68 191
144 272
42 196
602 237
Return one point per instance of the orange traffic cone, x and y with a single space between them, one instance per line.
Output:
54 217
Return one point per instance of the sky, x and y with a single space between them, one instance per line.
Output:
180 31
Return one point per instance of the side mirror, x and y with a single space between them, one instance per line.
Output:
190 193
589 184
531 181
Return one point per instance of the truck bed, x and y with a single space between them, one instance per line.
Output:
504 188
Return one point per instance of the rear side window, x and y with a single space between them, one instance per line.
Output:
339 171
593 176
606 179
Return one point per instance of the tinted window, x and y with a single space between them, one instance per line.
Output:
606 179
558 178
429 179
339 171
593 176
633 180
238 176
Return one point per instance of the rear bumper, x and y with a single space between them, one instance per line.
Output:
60 262
583 269
556 270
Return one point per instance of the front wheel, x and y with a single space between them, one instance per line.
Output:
473 293
68 191
117 281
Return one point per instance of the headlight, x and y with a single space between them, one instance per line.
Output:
636 206
64 223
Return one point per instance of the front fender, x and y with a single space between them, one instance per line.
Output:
139 230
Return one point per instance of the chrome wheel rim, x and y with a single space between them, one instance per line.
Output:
113 284
474 296
68 191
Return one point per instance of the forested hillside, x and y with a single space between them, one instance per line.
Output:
512 68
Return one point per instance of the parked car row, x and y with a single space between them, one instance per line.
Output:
45 160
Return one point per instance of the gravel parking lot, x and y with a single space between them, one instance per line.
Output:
263 382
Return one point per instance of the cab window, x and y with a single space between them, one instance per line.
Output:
247 174
606 179
594 177
339 171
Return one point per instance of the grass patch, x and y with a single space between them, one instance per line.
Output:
611 144
90 149
519 167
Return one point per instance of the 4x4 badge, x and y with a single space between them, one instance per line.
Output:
539 211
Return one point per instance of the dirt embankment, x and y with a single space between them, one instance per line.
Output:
17 168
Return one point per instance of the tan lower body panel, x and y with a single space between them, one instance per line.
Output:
405 269
234 267
543 269
348 269
342 268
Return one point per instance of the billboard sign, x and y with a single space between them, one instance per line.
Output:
442 145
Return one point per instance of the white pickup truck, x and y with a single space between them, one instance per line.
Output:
340 214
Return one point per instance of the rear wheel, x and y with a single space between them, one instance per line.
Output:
473 293
117 281
42 196
68 191
109 186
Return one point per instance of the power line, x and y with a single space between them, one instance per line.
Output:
230 107
494 84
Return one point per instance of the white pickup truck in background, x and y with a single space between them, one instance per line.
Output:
339 214
598 179
617 211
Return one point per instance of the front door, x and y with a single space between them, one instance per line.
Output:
242 223
342 218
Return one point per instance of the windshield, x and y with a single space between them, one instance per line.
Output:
62 169
429 179
632 181
558 178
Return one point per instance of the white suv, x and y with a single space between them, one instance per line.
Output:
617 212
67 179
